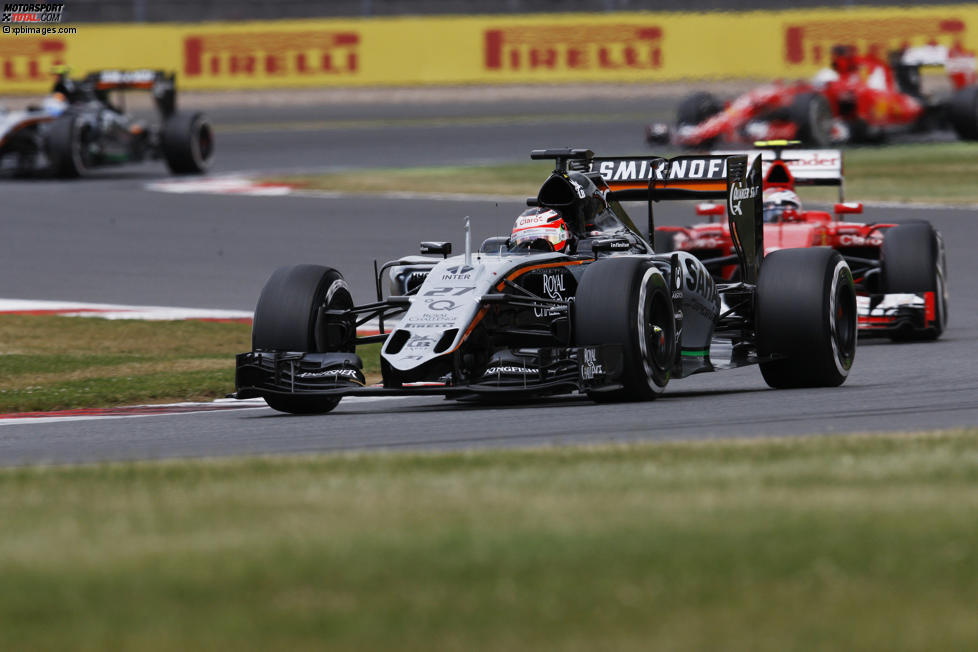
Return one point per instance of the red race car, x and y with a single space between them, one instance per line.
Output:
859 99
899 269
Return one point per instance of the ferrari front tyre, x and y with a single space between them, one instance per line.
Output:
68 146
188 143
805 318
912 261
626 301
696 108
812 115
962 111
288 318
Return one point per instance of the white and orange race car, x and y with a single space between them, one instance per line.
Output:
573 301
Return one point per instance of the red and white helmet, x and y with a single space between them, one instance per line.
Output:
780 204
537 224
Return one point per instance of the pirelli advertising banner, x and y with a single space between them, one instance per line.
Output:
557 48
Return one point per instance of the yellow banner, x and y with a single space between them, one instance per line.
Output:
558 48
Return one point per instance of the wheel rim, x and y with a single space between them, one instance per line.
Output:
940 302
202 144
80 148
821 121
658 333
842 323
337 297
655 330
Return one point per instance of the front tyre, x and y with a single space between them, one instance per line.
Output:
626 301
813 116
696 108
912 261
805 318
288 318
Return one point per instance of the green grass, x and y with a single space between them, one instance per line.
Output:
823 543
51 363
511 179
913 173
928 173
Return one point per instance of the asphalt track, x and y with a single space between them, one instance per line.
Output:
107 239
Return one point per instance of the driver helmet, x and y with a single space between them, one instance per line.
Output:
55 103
542 228
844 59
780 205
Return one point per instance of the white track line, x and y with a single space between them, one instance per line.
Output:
151 313
115 311
233 405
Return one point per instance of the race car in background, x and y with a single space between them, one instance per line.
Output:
860 99
900 270
81 126
595 311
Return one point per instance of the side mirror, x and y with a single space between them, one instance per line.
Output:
710 209
849 207
443 248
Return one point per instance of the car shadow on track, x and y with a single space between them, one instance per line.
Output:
477 405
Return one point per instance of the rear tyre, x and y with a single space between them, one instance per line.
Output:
813 116
188 143
912 261
287 318
806 317
665 241
68 145
963 112
626 301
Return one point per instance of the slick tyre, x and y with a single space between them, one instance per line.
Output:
626 301
805 318
68 146
813 116
288 318
188 143
696 108
962 112
665 241
912 261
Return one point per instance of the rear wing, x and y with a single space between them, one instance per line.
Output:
734 178
161 83
145 80
800 167
958 63
637 178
